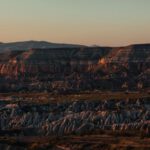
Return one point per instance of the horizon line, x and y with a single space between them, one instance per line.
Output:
79 44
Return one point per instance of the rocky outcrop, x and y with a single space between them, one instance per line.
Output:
77 68
35 61
77 117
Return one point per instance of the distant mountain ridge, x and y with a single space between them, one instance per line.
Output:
26 45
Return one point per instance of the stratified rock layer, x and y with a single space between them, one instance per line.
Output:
76 68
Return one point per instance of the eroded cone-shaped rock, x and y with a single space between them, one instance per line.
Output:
45 121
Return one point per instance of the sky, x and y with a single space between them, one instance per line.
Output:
88 22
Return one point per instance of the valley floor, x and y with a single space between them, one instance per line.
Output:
86 142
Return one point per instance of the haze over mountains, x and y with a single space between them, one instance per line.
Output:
25 45
64 67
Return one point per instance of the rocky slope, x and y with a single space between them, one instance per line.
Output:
40 122
75 68
78 117
56 60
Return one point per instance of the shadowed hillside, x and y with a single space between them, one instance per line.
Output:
75 68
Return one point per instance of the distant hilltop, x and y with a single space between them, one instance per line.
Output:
26 45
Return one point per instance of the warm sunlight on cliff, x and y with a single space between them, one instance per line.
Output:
102 61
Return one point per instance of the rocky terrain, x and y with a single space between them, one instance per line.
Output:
77 117
113 117
72 69
74 97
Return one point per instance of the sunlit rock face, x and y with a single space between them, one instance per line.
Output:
62 60
77 117
80 68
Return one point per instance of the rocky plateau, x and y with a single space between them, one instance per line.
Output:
74 68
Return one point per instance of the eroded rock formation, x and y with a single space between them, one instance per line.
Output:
76 68
77 117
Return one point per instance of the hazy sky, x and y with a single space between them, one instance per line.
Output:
101 22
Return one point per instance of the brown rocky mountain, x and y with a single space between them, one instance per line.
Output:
74 68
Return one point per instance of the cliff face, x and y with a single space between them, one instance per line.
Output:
78 67
46 61
134 59
133 53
